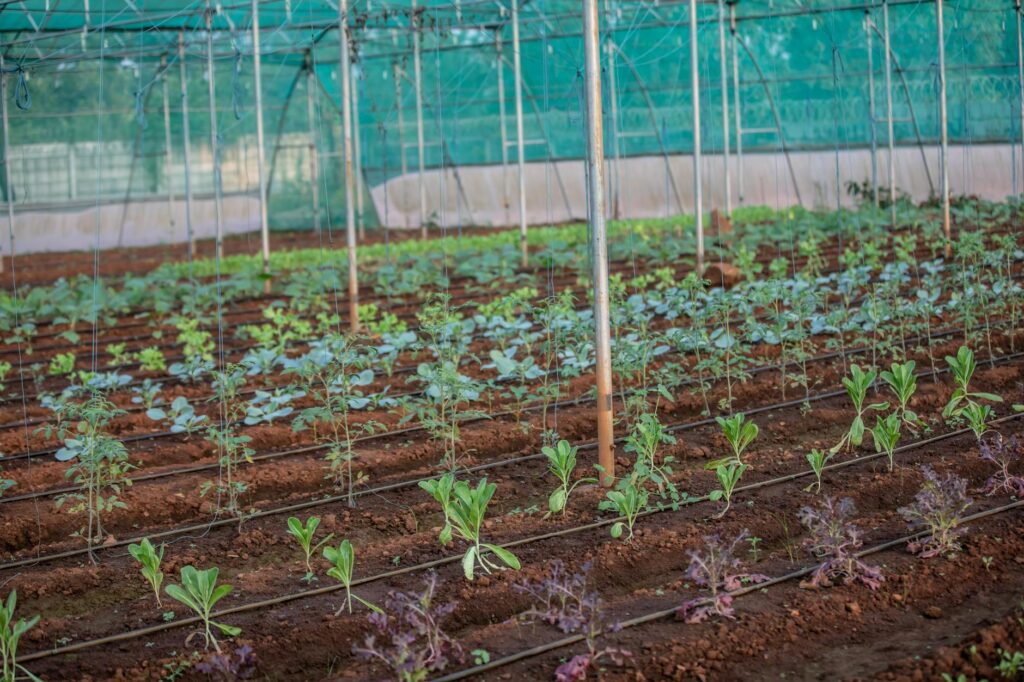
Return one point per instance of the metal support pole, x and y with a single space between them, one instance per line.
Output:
517 73
503 124
346 126
418 84
357 154
314 161
214 137
599 242
260 154
871 106
724 68
698 200
186 148
168 158
737 110
888 111
1017 17
944 128
9 198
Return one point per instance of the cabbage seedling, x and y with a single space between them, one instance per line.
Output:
199 591
343 560
903 383
304 534
150 557
963 366
817 459
629 502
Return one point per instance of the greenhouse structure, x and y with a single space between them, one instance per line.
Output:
511 339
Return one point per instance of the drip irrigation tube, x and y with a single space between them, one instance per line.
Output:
261 604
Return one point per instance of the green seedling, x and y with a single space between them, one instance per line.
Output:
304 534
886 435
740 434
464 509
903 383
199 591
963 366
629 501
562 463
728 476
343 563
857 385
817 459
150 557
11 632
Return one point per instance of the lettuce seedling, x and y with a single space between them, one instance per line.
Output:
199 591
903 383
963 366
562 599
562 463
728 476
1004 453
939 506
239 665
11 632
304 534
857 385
410 639
150 557
740 434
464 508
718 569
343 560
886 434
835 539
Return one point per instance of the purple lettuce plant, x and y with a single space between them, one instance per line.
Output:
718 569
562 600
939 506
239 665
1004 453
835 539
410 639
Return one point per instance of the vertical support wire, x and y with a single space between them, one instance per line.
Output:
314 161
168 157
599 241
737 101
890 131
9 198
871 106
417 74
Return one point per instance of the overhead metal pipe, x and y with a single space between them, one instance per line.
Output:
724 72
346 126
314 161
517 76
698 200
186 144
943 129
599 242
218 209
260 153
